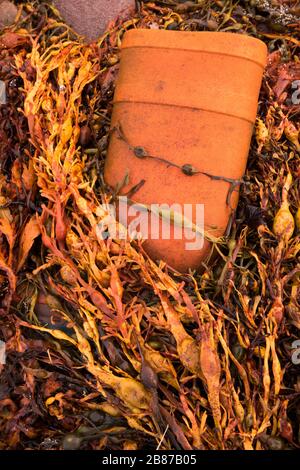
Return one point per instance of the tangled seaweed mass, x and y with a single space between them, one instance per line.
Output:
106 349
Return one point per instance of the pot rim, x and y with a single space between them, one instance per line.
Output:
222 43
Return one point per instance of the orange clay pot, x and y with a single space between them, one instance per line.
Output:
189 98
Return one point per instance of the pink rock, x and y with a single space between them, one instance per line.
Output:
91 17
8 13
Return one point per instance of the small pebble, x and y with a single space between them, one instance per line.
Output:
212 25
8 13
172 26
275 443
97 417
71 442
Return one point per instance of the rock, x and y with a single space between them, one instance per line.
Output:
8 13
91 17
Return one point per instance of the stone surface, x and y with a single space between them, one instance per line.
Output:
8 13
91 17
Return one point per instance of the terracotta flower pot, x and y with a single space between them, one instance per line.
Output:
184 108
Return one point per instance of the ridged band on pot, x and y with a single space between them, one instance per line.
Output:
188 98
